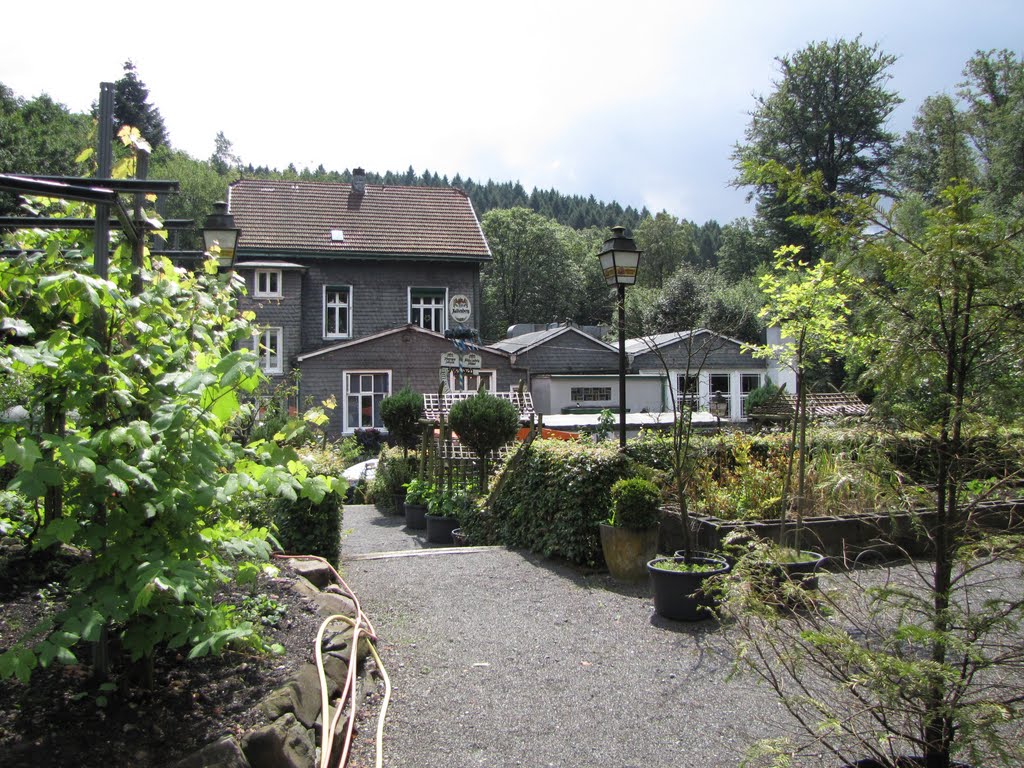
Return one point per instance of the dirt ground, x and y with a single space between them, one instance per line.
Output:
64 717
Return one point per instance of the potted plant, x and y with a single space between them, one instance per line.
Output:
629 538
810 305
443 512
681 588
417 493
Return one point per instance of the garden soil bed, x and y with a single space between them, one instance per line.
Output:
63 717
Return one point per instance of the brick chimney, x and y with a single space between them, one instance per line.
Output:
358 181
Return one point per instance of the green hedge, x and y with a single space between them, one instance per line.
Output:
303 527
554 498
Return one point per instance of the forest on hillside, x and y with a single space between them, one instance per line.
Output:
825 121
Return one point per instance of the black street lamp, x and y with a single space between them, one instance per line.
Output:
620 260
219 229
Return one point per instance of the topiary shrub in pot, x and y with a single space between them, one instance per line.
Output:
629 538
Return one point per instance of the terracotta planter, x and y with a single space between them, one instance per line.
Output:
627 552
415 516
680 595
439 529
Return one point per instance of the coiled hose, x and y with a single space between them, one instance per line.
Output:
328 724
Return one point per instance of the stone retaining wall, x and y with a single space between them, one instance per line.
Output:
291 738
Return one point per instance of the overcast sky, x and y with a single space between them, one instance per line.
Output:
639 102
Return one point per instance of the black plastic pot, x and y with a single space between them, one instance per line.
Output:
415 516
680 595
439 529
460 539
803 572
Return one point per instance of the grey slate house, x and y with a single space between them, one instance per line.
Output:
702 370
351 285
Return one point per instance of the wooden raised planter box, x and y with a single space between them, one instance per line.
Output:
846 536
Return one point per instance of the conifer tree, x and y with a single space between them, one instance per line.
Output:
132 107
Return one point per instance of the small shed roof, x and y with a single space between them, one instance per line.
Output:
820 405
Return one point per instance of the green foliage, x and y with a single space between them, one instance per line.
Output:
132 107
401 413
651 448
484 422
826 117
38 136
394 471
17 518
636 504
682 565
417 491
667 244
308 527
554 499
451 501
762 395
151 381
993 90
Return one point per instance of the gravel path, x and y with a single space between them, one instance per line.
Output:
500 658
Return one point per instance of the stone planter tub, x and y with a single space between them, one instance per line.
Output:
847 536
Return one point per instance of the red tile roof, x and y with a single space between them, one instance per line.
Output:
300 216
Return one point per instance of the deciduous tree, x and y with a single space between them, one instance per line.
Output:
826 116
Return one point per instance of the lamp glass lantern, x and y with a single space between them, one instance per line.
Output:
620 258
220 230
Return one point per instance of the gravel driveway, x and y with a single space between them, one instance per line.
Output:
501 658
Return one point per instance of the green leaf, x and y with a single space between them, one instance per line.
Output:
25 454
17 326
92 624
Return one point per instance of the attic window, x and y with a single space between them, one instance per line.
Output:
337 235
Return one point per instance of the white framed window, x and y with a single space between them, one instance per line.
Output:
268 345
590 394
748 383
337 311
267 284
364 391
470 382
427 308
720 391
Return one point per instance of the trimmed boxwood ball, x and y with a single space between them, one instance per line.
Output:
401 413
484 422
635 504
